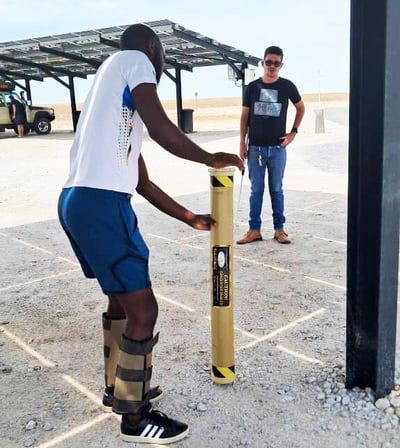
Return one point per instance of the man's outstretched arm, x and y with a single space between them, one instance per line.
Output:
152 193
162 130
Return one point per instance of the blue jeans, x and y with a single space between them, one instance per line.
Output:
272 158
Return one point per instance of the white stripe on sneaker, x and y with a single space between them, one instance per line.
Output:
158 435
146 430
153 431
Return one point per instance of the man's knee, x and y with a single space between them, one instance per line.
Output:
141 311
275 189
257 190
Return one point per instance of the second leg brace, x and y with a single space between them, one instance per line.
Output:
134 370
112 331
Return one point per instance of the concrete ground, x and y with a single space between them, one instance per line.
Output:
289 305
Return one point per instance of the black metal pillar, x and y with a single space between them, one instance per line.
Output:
243 70
73 102
28 90
179 113
374 194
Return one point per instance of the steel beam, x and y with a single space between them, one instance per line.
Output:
75 57
374 195
18 75
45 67
215 46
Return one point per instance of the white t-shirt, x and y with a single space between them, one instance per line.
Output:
108 138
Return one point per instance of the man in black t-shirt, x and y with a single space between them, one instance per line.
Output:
18 116
263 141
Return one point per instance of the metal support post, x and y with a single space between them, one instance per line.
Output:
374 195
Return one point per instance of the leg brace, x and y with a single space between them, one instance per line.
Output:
132 383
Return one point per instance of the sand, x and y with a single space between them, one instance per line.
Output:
204 110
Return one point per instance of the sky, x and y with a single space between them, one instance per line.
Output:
314 36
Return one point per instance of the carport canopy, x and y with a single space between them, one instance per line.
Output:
79 54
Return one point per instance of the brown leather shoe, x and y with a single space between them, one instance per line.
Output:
251 235
281 236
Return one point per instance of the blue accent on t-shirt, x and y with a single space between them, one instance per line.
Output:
127 99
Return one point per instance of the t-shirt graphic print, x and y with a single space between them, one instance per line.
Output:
125 127
268 103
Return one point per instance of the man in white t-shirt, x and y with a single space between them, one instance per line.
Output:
106 168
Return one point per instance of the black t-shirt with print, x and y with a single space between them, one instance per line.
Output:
268 103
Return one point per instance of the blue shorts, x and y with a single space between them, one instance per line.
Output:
102 228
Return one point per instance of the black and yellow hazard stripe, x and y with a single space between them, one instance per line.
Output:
222 181
224 372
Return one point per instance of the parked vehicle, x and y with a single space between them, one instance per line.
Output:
38 118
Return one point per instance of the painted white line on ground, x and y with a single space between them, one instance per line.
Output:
25 243
49 277
93 397
26 347
282 329
244 332
260 263
329 239
47 363
74 263
192 310
17 240
294 210
77 430
40 249
33 246
248 260
82 389
174 302
196 236
257 339
275 268
333 285
298 355
328 201
175 241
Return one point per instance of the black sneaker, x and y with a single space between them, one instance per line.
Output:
155 394
155 427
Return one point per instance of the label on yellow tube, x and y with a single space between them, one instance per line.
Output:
220 276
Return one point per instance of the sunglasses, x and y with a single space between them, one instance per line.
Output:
272 63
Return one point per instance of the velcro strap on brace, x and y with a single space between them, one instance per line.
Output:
153 393
138 347
134 375
108 322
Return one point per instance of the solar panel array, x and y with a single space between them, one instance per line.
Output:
79 54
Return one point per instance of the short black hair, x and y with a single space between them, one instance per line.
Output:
273 50
136 37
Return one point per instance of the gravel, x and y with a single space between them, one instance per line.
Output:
357 403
